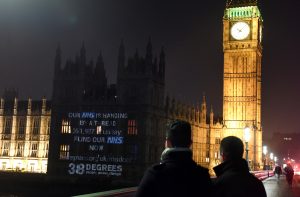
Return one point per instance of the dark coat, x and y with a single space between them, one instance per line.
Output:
278 170
289 173
177 175
235 180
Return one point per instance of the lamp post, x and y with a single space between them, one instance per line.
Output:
247 139
265 151
271 158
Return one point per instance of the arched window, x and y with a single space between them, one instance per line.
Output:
66 126
7 126
36 126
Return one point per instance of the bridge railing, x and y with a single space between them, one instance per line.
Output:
262 175
125 192
129 192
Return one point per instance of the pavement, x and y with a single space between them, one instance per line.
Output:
279 187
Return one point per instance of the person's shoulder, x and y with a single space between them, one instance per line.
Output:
256 180
201 169
259 186
153 171
157 168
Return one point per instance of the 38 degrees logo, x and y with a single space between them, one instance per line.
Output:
108 169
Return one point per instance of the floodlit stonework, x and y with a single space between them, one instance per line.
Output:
24 135
81 88
242 76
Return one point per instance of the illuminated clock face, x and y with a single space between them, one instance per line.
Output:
240 30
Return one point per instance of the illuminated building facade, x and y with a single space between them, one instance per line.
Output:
24 130
207 130
242 45
118 130
99 129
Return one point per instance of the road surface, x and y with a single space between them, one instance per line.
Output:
280 188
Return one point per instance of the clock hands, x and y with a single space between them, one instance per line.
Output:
244 27
240 30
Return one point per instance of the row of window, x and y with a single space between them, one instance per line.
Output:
21 126
64 152
66 126
132 127
20 150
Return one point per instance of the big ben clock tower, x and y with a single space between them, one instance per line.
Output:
242 37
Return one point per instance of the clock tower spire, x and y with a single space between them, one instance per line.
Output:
242 46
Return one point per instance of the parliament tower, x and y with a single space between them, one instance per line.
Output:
242 45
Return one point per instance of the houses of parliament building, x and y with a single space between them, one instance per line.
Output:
91 128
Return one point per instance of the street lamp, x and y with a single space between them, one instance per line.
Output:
265 151
271 158
247 139
275 160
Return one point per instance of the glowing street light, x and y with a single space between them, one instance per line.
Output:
247 134
247 139
271 156
265 151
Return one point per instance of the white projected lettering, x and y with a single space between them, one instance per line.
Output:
97 143
95 169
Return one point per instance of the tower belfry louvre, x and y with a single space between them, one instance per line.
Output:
242 46
240 3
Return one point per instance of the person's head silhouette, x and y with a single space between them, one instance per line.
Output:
231 148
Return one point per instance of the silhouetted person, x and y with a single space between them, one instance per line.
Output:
289 173
233 176
278 171
177 174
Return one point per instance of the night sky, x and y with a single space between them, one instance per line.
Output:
190 32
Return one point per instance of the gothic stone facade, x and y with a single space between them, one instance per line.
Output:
24 135
139 93
80 88
101 129
242 45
